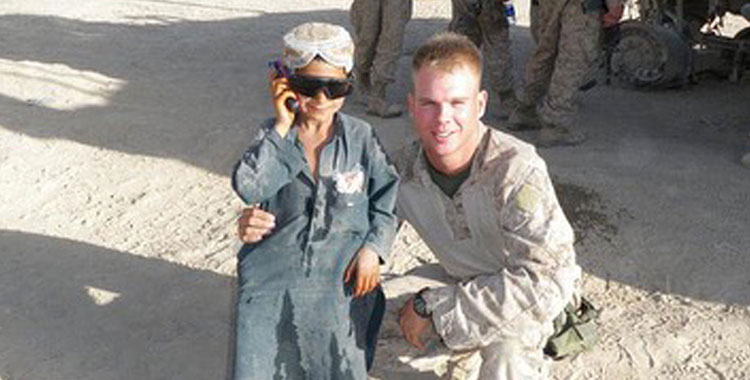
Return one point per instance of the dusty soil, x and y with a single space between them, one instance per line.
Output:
120 122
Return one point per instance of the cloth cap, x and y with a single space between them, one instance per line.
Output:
330 42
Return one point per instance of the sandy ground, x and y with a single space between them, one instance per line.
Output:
119 125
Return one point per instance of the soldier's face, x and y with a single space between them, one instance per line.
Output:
445 109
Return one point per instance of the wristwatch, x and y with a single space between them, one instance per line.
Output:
420 305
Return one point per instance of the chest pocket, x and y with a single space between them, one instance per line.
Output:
348 201
348 188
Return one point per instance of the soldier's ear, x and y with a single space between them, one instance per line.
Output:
410 102
482 97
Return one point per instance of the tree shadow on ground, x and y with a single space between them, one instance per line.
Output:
71 310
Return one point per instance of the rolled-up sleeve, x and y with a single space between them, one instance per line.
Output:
382 191
539 277
267 165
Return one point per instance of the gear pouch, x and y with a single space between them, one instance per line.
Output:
575 331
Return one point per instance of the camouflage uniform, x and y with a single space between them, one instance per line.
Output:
484 22
508 247
378 36
567 44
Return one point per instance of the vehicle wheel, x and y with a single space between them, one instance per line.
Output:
649 56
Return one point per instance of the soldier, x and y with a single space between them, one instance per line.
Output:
567 37
486 24
483 202
379 31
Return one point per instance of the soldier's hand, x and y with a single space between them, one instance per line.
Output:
365 268
254 224
413 326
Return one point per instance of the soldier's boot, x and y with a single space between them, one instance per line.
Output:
553 135
524 118
377 105
508 103
361 87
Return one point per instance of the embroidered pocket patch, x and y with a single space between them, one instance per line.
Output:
349 182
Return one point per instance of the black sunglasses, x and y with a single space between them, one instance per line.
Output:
309 86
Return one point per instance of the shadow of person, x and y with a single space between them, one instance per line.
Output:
194 91
71 310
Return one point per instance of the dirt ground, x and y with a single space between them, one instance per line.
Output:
119 125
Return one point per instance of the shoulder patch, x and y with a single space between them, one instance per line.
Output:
527 198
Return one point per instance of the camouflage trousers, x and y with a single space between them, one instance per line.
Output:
378 37
567 45
517 358
484 22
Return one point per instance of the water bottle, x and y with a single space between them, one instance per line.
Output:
510 11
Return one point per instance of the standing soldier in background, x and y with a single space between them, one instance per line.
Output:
379 31
567 35
486 24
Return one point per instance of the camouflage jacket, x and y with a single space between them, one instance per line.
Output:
502 236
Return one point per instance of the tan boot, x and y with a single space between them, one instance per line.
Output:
377 104
551 135
524 118
361 87
379 107
508 103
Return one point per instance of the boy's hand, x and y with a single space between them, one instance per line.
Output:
412 325
280 92
254 224
365 267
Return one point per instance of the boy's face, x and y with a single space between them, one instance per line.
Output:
446 108
320 107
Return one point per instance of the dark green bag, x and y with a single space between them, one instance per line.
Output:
575 331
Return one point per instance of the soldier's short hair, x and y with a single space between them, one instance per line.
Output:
448 51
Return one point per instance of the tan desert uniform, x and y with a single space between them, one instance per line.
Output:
506 243
484 22
379 34
567 44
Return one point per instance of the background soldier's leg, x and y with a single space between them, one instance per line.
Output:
545 16
498 60
395 15
578 50
365 18
464 20
541 63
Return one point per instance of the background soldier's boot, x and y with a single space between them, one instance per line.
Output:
553 135
508 104
361 87
524 118
377 104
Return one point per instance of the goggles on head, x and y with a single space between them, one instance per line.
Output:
310 86
330 42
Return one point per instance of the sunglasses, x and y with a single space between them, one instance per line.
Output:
309 86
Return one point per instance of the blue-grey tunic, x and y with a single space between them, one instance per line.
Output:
295 315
